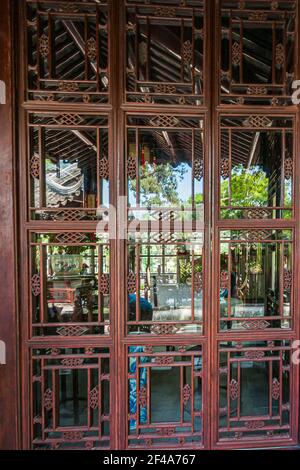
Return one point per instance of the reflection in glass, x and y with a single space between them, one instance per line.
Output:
165 167
165 53
254 389
169 285
71 290
256 171
255 287
71 398
67 176
257 53
165 394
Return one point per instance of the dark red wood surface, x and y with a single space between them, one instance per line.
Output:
9 416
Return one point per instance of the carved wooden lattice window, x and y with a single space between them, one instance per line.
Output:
257 52
165 167
256 160
248 411
166 269
165 46
70 398
70 284
165 396
256 291
68 165
68 50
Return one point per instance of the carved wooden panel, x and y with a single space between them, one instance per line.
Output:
256 280
68 51
246 76
265 369
71 292
70 399
165 52
166 372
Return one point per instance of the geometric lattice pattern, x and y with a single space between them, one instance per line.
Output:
53 425
183 362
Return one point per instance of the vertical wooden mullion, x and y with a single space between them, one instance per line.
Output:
42 184
89 388
86 59
100 297
51 53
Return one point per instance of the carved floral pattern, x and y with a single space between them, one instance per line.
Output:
198 169
72 330
275 389
255 325
35 166
143 397
131 283
167 12
234 390
164 121
44 46
68 119
257 121
70 237
288 168
253 425
187 52
186 394
91 49
224 279
73 436
198 282
168 329
131 168
224 168
164 360
48 399
279 55
104 284
236 53
94 398
287 280
104 168
252 355
36 285
68 86
72 362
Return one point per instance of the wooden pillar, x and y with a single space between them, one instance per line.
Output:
9 417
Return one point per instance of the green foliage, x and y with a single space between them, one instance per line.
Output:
159 184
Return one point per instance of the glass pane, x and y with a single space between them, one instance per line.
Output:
165 395
165 52
69 167
256 169
255 281
74 287
254 385
76 69
71 397
170 286
257 52
165 168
